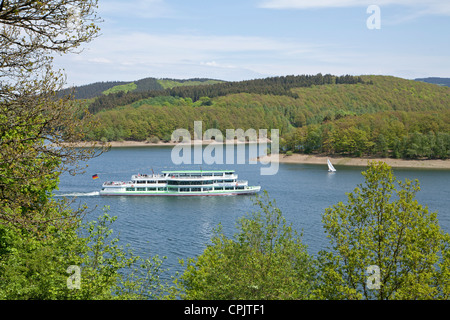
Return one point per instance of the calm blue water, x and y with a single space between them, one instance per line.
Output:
181 227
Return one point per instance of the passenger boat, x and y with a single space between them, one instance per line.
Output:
180 183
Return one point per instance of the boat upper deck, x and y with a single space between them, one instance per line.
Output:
187 174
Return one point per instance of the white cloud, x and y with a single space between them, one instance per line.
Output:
425 7
142 48
217 65
99 60
137 55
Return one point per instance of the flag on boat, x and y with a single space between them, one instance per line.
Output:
95 176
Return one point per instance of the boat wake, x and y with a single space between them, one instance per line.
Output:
79 194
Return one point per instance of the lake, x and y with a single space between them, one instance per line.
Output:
181 227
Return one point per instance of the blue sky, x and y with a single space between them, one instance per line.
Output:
247 39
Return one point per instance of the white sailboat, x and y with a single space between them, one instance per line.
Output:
330 166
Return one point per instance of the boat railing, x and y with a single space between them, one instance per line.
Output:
230 176
116 183
139 176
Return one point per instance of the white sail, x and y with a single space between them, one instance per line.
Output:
330 166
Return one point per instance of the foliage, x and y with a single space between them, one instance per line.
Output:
34 123
89 91
265 260
412 135
385 227
37 268
164 116
121 88
171 83
279 86
376 117
436 80
38 235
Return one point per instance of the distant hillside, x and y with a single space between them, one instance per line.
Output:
356 116
98 89
279 86
121 88
436 80
167 83
91 90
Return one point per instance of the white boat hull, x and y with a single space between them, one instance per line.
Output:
181 183
249 190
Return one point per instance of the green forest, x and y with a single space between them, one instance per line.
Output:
347 115
99 89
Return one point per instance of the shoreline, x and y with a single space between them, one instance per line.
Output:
346 161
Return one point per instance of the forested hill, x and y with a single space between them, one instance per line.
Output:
436 80
98 89
280 86
367 115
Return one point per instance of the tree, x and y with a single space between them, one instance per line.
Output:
39 236
264 260
35 124
442 145
34 269
382 145
384 244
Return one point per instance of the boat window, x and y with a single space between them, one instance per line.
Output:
151 189
130 189
140 189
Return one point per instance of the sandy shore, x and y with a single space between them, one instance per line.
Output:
342 161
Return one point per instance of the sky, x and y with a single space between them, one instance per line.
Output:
237 40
